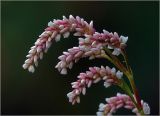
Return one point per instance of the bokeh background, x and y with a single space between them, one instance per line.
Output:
44 92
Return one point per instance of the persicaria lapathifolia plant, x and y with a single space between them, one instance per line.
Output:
93 45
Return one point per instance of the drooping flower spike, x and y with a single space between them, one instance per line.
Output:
74 54
94 75
53 32
119 101
92 44
57 28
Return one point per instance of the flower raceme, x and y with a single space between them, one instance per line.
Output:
94 75
79 27
93 45
119 101
74 54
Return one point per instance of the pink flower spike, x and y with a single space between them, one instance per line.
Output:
121 100
74 54
54 31
86 79
80 28
91 44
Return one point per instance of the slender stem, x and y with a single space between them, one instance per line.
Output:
116 61
128 74
135 92
126 88
126 59
123 52
107 57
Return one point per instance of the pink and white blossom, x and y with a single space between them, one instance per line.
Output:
92 44
53 32
94 75
74 54
119 101
58 28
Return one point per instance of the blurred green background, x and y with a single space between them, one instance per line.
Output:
44 92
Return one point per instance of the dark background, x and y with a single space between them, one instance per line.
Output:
44 92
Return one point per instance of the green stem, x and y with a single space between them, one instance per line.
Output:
113 59
126 61
137 97
130 77
127 90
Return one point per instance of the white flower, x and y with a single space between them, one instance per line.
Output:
100 114
105 32
89 84
91 24
35 58
71 18
146 108
64 71
39 49
105 77
113 70
61 26
87 40
82 22
57 38
41 55
116 51
81 39
32 51
110 47
31 69
123 39
25 66
70 65
27 61
77 34
78 99
64 17
106 84
48 44
101 107
97 80
119 74
66 34
50 23
84 91
70 94
135 110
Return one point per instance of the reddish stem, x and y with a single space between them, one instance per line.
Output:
137 96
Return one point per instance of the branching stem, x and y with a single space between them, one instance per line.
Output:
128 72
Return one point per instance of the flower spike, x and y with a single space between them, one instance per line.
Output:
58 28
119 101
94 75
53 32
93 45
